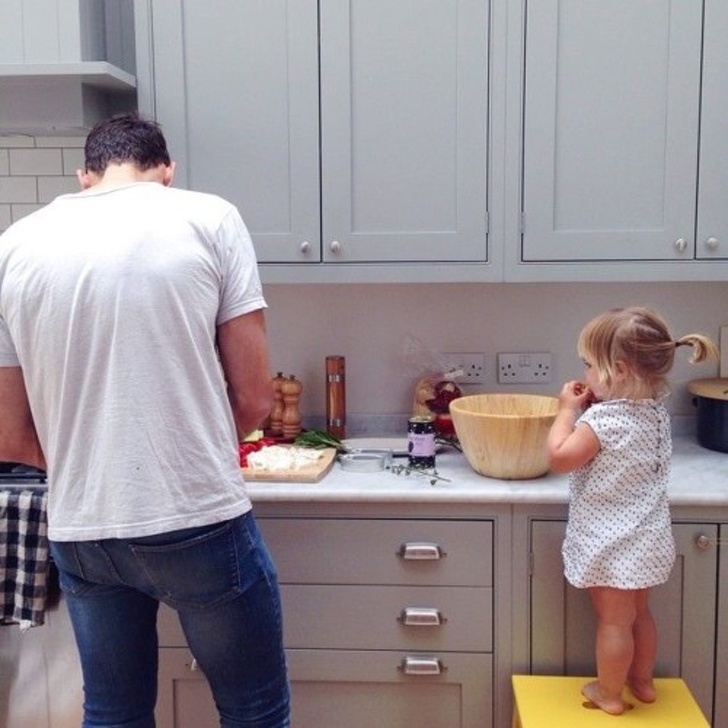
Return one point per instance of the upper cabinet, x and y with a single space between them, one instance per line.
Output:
350 134
65 63
452 140
624 151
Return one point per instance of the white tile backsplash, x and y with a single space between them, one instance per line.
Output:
36 169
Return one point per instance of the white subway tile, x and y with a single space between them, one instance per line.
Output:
73 159
64 142
5 218
18 211
50 187
18 189
35 161
13 141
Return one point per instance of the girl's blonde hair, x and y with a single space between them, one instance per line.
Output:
639 337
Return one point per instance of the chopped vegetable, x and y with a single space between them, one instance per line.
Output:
246 448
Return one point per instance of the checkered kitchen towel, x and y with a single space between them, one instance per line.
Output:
23 557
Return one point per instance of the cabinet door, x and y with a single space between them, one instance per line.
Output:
403 130
712 236
331 689
611 130
563 625
236 92
721 664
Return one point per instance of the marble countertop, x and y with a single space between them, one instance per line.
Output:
699 478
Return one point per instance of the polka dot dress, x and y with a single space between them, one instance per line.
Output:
619 532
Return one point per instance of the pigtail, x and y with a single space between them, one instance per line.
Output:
703 347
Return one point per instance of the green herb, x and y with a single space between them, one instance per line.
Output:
411 470
318 440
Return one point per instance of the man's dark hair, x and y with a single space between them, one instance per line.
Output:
125 138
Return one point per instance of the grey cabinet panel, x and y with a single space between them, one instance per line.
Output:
236 91
612 93
403 129
712 235
563 625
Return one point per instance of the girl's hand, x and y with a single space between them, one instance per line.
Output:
575 396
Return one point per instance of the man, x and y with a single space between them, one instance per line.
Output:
133 357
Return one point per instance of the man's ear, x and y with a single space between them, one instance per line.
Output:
86 179
168 177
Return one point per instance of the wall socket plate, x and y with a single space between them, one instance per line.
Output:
524 368
472 365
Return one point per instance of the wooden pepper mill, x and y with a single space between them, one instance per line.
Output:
336 396
291 391
276 413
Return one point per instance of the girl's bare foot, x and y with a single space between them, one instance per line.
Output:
643 689
593 692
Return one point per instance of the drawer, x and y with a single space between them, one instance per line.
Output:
379 551
457 619
338 688
366 617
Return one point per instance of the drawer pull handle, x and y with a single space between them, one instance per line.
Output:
421 551
421 617
421 665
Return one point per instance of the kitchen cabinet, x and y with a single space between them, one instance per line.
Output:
65 63
347 133
387 622
720 716
562 625
614 138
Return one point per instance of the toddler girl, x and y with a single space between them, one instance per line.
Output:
612 433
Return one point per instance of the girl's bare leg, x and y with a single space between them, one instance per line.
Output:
641 672
616 612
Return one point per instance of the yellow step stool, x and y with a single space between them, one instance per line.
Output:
545 701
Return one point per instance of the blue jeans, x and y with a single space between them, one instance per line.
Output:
223 584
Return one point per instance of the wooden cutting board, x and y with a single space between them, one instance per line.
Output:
310 474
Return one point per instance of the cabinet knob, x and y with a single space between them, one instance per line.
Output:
335 246
421 617
711 243
421 551
305 247
703 542
421 665
681 244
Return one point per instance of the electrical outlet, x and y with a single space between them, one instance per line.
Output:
471 364
524 368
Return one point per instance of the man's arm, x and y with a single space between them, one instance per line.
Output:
18 437
243 349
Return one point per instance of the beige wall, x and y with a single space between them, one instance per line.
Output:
369 324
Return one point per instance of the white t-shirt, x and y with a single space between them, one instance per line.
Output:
619 532
109 302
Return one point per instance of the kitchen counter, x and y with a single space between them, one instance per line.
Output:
699 478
